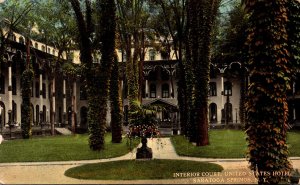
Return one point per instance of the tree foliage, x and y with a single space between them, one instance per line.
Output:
267 108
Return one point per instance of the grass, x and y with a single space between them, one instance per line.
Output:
138 170
59 148
223 144
293 141
227 144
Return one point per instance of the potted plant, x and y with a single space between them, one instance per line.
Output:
295 175
143 124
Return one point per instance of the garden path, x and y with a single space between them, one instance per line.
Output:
53 172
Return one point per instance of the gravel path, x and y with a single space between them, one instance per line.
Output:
235 170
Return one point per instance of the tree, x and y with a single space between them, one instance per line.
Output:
174 15
115 104
232 49
16 16
200 16
132 21
54 25
97 75
267 109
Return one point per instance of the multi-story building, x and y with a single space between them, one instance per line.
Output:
68 96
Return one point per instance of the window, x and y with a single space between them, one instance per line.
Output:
21 40
36 45
165 91
14 85
44 90
213 113
212 91
152 91
83 95
43 48
152 76
37 114
14 111
2 84
227 88
151 54
164 75
37 89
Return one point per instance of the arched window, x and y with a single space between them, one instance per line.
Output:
21 40
44 113
227 88
37 114
36 45
152 54
53 52
164 75
43 48
213 117
32 112
212 89
165 91
152 91
2 84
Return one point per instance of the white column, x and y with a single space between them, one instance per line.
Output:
9 88
147 89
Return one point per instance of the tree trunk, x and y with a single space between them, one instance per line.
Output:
267 109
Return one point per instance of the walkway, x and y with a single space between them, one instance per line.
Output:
235 170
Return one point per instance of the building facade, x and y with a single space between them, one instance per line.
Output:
63 100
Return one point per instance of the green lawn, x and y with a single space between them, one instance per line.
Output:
137 170
59 148
293 141
227 144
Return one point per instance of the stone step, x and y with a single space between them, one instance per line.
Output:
63 131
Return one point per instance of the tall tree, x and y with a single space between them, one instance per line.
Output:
16 16
107 37
232 49
267 109
132 21
97 75
174 15
115 104
200 16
